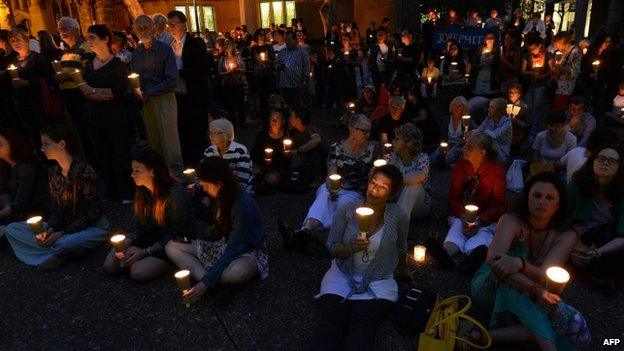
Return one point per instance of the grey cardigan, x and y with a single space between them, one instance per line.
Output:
344 230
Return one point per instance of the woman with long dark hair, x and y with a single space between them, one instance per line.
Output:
104 86
76 224
527 241
597 209
160 215
23 184
49 49
234 249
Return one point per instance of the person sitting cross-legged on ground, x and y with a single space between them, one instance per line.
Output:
359 291
413 163
235 249
510 284
352 159
77 223
477 179
269 169
597 209
161 214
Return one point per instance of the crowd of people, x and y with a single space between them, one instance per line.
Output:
147 117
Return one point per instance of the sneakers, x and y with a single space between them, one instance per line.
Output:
436 250
474 260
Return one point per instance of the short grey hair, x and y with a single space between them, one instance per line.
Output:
144 19
412 135
224 126
359 121
159 19
68 22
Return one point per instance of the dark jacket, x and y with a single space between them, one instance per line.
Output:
195 67
495 68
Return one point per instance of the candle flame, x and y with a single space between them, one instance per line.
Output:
33 220
117 238
471 208
380 162
189 171
182 274
364 211
443 144
335 177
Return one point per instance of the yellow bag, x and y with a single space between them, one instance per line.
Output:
538 167
441 330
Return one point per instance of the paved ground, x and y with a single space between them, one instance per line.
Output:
80 307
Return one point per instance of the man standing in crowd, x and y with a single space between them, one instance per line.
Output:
155 63
293 69
75 54
192 90
160 29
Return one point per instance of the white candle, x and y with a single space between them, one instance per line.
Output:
380 162
443 145
35 224
584 51
557 279
12 71
183 278
387 148
510 109
268 155
117 241
334 183
287 144
596 64
466 121
263 56
134 80
471 213
420 253
429 79
351 105
364 219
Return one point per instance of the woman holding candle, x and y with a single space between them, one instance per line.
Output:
536 66
485 68
429 79
528 241
457 109
268 175
352 159
76 224
23 184
262 58
232 72
413 163
615 117
590 85
236 250
567 70
477 179
221 135
596 196
358 291
104 87
517 109
161 214
32 67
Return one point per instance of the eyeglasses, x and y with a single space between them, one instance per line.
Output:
215 133
365 131
608 160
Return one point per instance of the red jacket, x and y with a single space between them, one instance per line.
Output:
491 195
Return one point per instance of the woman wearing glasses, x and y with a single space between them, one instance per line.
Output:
596 196
352 160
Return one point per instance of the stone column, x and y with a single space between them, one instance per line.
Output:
249 14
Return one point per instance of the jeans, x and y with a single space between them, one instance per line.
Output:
350 324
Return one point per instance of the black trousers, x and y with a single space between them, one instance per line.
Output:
234 101
349 325
111 147
192 128
263 87
74 104
30 120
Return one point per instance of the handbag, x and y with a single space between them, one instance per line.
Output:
538 167
440 333
413 310
52 102
515 178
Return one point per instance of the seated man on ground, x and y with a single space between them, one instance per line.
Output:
352 160
579 122
510 284
478 180
355 297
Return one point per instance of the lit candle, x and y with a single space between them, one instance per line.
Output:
444 146
510 109
183 278
429 79
364 216
558 56
36 224
380 162
466 121
329 66
287 144
57 66
387 148
268 155
420 253
331 42
232 65
486 51
263 56
557 279
311 74
351 105
334 183
346 52
584 51
622 110
118 242
596 64
12 71
77 76
133 78
454 67
537 65
516 111
189 173
442 57
471 213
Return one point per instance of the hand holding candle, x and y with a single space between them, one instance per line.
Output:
77 76
471 214
183 278
287 145
268 155
36 224
12 71
364 216
420 253
387 149
133 78
557 279
58 67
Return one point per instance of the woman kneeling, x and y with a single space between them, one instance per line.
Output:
236 250
160 215
510 283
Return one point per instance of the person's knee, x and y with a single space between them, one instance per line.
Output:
110 266
172 248
237 273
273 178
140 273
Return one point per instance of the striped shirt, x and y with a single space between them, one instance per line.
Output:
296 69
239 161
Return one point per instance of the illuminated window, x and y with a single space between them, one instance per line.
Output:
206 17
278 12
